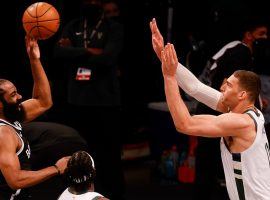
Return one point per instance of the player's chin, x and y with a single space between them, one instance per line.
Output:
224 101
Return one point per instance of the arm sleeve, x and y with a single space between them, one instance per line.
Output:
193 87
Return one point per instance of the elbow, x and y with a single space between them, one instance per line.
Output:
47 105
15 185
186 127
181 127
50 103
14 181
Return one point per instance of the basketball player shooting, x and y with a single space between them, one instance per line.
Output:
244 145
14 148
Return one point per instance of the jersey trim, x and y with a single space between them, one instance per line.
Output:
22 147
237 168
5 123
256 125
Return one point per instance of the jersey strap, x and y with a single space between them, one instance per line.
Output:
237 168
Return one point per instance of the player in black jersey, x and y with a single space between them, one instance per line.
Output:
14 149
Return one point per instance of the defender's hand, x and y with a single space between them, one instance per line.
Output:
169 60
157 39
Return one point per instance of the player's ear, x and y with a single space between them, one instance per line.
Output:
242 95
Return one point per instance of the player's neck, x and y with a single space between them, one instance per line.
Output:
2 116
79 191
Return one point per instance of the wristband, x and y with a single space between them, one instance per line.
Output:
57 168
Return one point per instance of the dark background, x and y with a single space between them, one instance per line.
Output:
214 22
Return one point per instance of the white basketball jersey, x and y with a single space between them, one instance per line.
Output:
248 173
66 195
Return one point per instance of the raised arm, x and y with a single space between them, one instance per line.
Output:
157 38
41 96
10 166
185 79
229 124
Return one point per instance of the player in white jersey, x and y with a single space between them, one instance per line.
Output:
244 145
247 173
245 149
80 174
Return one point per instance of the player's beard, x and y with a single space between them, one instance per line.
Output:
12 111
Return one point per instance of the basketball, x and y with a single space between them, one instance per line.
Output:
41 20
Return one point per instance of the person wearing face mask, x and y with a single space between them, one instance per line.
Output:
261 62
111 10
236 55
89 48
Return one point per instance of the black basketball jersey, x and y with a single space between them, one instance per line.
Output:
24 157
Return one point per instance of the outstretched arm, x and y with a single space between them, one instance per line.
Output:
185 79
229 124
41 97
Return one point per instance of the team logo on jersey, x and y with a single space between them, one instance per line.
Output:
28 151
18 125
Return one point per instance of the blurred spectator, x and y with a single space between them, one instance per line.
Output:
90 48
111 9
262 62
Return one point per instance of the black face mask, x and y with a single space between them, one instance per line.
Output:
12 111
116 18
261 55
261 48
91 11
